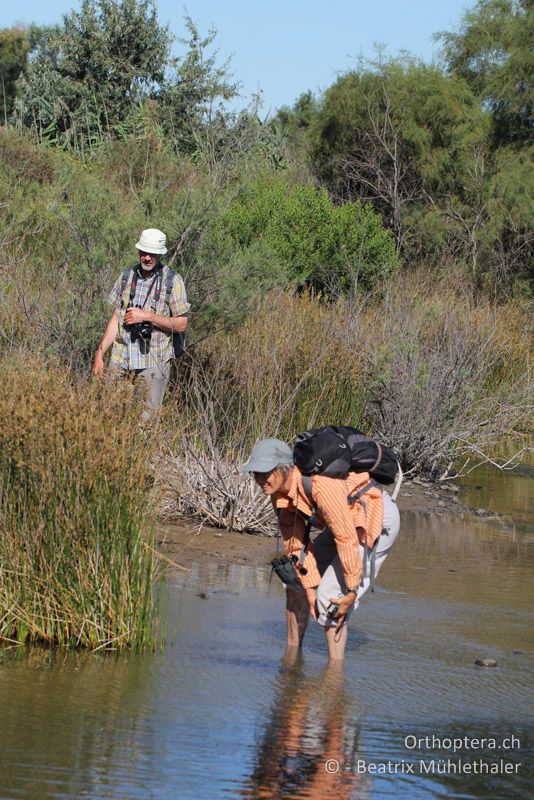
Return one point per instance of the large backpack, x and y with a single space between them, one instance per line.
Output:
334 451
337 449
178 339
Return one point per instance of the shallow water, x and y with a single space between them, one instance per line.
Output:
509 493
220 713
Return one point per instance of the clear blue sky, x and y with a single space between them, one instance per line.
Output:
285 47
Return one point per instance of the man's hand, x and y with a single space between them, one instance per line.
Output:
167 324
344 604
134 315
311 595
98 365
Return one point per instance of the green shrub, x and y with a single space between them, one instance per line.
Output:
324 246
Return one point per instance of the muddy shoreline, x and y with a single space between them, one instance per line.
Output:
187 541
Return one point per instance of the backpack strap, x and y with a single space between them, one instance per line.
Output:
307 486
369 553
178 339
169 284
125 277
356 496
398 482
369 563
378 456
310 521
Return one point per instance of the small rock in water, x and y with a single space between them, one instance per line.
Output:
202 595
451 487
218 535
519 653
480 512
486 662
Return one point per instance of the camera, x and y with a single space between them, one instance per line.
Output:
141 331
284 569
331 611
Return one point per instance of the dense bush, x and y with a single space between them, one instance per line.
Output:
65 235
440 151
321 245
492 52
418 363
399 135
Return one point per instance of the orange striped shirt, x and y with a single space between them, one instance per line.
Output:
332 511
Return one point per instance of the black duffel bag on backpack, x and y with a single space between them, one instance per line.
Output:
338 449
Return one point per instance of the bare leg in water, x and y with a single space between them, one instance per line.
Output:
297 616
336 641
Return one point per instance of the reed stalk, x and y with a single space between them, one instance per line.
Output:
76 520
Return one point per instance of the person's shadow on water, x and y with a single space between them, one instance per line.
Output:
308 746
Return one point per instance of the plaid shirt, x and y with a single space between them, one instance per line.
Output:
126 352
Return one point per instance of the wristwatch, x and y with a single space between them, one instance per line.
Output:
355 591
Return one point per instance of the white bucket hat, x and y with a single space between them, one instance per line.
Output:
152 241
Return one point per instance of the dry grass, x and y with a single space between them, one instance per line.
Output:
432 373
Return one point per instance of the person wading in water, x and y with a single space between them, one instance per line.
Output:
331 574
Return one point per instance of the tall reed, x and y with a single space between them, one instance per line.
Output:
77 566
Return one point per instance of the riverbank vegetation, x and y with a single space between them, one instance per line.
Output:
77 563
363 257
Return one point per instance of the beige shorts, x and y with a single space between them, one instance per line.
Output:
332 582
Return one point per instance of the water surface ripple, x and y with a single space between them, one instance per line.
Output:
221 713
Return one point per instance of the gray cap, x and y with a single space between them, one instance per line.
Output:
268 454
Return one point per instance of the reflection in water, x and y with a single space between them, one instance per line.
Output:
64 722
307 747
509 493
205 718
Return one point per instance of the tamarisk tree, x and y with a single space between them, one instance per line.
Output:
84 76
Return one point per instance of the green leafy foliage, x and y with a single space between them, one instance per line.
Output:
399 135
193 95
84 76
108 68
14 48
493 52
328 247
69 236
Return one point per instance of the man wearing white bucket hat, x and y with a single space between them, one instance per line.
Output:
148 322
